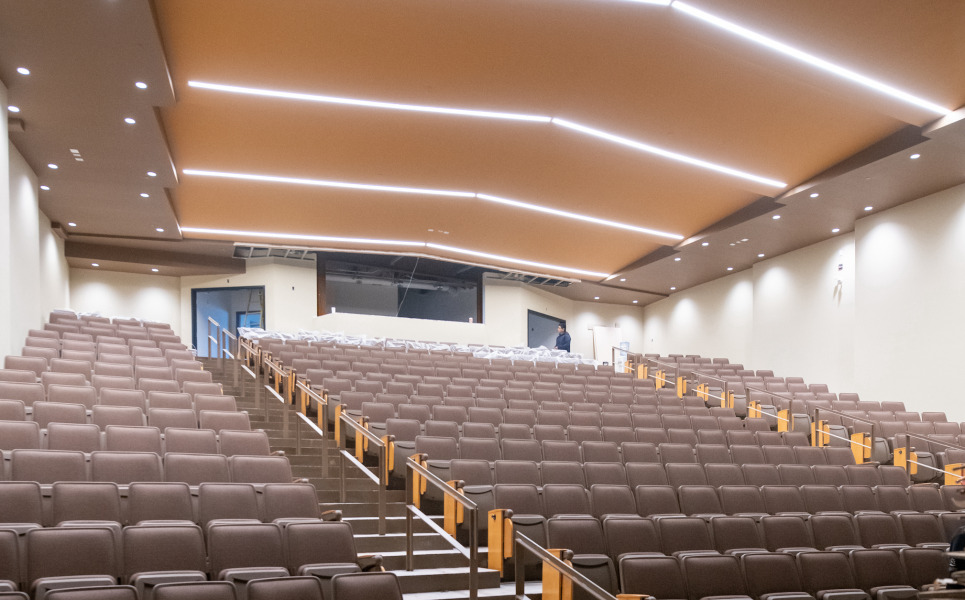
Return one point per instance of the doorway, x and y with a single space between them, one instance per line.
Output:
231 307
541 329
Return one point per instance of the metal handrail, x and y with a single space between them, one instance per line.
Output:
320 401
382 479
726 384
472 553
907 435
227 349
817 418
521 542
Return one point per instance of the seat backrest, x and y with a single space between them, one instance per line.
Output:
21 502
237 545
713 576
57 412
565 498
260 469
318 543
218 420
290 500
685 533
227 501
48 466
65 551
169 548
159 501
132 439
284 588
195 469
825 571
252 443
124 468
785 532
581 535
86 501
102 416
659 576
770 573
19 434
364 586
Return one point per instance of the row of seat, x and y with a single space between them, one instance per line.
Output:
51 466
143 556
86 397
87 438
27 504
344 586
104 415
861 575
707 502
111 364
29 393
484 472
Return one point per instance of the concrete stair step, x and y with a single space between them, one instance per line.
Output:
362 509
424 559
506 591
370 525
444 579
368 543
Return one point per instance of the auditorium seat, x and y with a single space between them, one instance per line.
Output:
168 502
195 469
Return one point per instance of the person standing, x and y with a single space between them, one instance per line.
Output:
563 339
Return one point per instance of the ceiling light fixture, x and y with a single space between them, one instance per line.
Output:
23 70
868 208
489 114
140 85
95 264
154 270
635 301
677 259
807 58
673 288
705 244
623 279
430 192
815 195
730 268
45 188
760 255
657 2
151 174
380 242
71 224
579 217
915 156
159 229
596 297
462 112
666 153
835 230
129 120
145 195
776 217
52 166
13 109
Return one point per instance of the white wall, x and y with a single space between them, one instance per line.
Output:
804 314
714 319
112 294
33 270
909 329
290 294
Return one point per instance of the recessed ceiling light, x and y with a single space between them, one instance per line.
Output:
869 208
733 244
52 166
151 174
45 188
154 270
677 259
914 156
635 301
23 70
745 240
835 230
730 268
95 264
72 224
13 109
776 217
129 120
705 244
145 195
596 297
623 279
159 229
761 255
140 85
673 288
815 195
814 61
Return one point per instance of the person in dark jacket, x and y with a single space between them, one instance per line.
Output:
563 339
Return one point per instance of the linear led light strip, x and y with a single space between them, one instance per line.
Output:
402 243
432 192
644 147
